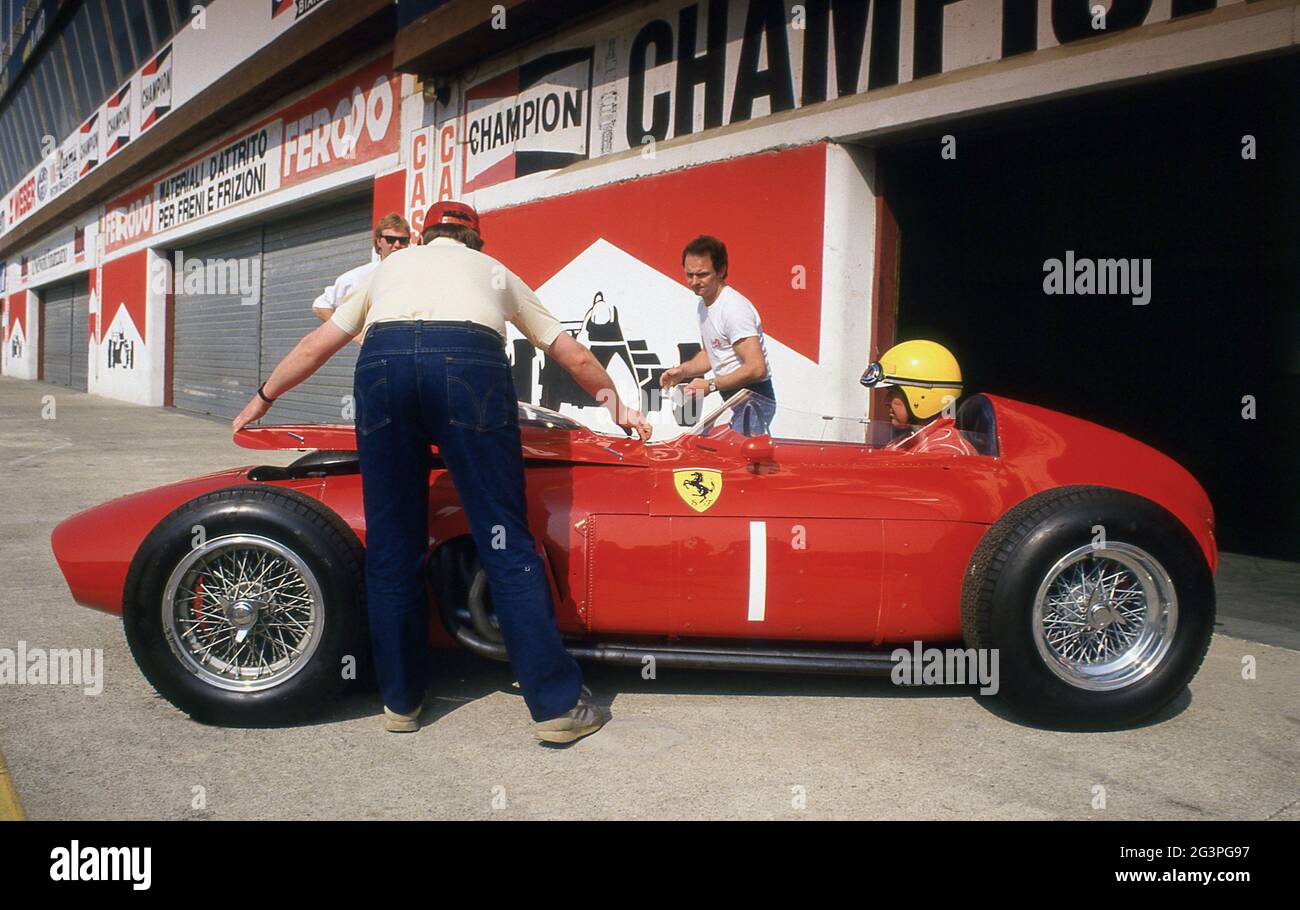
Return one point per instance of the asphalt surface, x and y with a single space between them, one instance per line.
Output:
689 744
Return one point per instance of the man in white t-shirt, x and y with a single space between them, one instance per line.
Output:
392 233
732 333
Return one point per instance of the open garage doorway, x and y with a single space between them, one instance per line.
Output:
1149 172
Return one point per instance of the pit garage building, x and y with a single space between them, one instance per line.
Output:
181 180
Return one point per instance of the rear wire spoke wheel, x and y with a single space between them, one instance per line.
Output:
1090 632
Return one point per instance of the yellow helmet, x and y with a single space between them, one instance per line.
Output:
924 371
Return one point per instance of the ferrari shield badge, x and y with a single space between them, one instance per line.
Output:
699 488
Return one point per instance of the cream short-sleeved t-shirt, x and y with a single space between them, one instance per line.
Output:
446 280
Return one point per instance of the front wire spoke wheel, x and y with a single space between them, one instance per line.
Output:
243 613
1105 616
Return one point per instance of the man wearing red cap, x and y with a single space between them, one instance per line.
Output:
433 371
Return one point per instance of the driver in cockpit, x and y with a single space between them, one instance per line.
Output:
924 382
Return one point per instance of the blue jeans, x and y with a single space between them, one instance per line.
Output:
754 417
449 384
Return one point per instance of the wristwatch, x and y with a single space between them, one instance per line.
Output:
262 394
713 385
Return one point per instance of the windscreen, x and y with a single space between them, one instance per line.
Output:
750 414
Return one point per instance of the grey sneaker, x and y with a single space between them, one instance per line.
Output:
583 718
401 723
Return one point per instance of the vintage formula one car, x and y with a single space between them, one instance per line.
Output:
1084 557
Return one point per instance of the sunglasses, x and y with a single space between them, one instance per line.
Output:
394 241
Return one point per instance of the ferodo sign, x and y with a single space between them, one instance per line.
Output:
349 122
353 120
128 219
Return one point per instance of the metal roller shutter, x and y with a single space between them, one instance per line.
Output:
215 368
57 333
79 368
301 256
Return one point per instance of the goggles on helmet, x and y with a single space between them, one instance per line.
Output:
875 375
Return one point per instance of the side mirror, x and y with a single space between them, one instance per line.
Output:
760 450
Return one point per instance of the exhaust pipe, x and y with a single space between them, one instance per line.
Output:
702 657
484 639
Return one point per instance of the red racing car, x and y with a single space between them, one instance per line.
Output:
1081 558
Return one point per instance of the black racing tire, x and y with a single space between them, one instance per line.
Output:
1043 548
310 555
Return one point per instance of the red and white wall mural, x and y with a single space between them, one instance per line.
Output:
21 357
607 262
125 353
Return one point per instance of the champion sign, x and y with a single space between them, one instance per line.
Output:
117 121
528 120
300 7
156 88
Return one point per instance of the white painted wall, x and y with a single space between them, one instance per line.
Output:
848 271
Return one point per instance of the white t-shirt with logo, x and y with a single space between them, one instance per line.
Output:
730 318
334 294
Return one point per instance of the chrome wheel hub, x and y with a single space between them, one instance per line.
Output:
243 613
1104 617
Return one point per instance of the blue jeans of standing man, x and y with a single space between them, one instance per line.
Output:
449 384
755 416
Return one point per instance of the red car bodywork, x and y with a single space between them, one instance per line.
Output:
860 544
